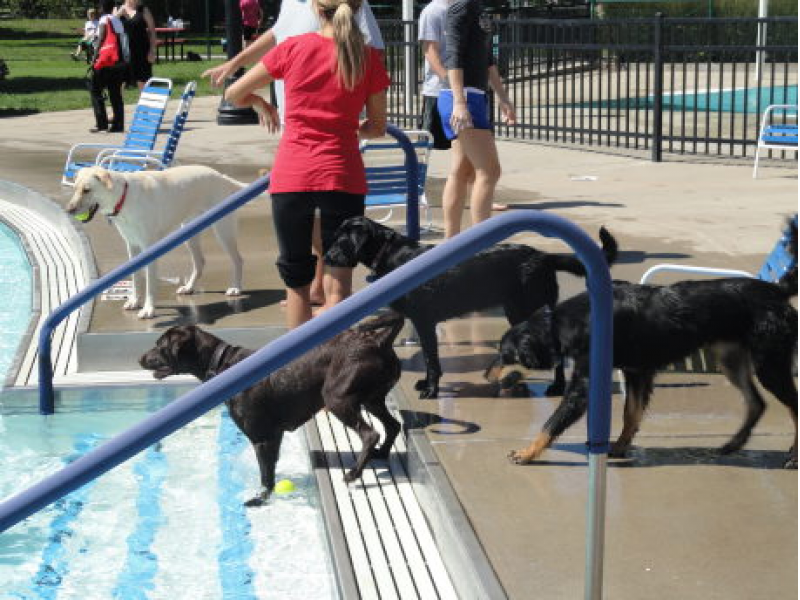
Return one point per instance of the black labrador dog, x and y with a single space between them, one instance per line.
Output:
749 323
517 277
356 369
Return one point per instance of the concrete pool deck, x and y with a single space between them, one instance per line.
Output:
682 522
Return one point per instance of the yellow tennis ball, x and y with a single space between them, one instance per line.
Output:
284 486
84 216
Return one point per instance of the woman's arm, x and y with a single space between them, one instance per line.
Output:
151 34
374 126
248 56
506 106
242 94
430 49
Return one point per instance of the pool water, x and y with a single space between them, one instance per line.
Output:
16 282
170 523
740 100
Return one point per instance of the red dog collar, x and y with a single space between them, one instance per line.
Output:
120 202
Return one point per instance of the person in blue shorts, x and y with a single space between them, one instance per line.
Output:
463 108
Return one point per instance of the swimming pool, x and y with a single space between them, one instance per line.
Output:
170 523
16 281
739 100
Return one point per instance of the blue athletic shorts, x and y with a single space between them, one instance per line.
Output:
477 103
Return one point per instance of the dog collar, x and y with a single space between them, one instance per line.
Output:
120 202
217 360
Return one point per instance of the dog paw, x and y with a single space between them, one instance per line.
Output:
351 476
618 451
259 500
519 458
429 393
233 291
131 303
555 389
791 463
185 290
148 312
422 384
730 448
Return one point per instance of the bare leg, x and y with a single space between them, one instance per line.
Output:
455 190
338 282
318 286
298 306
480 150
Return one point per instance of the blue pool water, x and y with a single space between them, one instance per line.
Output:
168 524
16 282
750 100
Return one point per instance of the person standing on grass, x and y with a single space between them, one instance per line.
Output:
108 71
296 17
329 77
141 30
464 110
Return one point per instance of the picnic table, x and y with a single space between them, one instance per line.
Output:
168 38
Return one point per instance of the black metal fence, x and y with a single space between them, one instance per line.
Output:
676 85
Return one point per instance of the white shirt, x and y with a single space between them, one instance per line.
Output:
431 29
298 17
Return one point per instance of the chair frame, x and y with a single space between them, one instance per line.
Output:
155 159
98 151
387 175
776 136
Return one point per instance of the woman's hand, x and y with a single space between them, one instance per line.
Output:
268 116
219 74
460 119
508 111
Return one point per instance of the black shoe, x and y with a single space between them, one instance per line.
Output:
113 129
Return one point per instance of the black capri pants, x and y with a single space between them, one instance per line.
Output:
293 215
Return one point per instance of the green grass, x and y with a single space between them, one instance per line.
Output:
43 78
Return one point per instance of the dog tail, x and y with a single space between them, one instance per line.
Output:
788 282
386 326
571 264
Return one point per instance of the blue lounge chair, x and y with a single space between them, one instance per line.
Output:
776 136
386 175
147 118
129 160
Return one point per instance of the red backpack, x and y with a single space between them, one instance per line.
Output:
110 53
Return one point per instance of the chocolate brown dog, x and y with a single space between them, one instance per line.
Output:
354 370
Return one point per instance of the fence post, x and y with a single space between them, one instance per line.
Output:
658 88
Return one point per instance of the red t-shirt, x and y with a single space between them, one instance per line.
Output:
319 147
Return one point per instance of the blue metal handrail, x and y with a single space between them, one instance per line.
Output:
176 238
296 342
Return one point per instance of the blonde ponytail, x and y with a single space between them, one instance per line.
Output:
351 54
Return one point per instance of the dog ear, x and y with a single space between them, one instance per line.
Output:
105 178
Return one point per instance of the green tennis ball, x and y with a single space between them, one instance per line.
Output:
84 216
284 486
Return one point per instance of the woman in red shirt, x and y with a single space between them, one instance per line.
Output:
329 78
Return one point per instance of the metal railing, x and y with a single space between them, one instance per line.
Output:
296 342
657 84
46 391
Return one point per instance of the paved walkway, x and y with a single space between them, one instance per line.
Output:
682 523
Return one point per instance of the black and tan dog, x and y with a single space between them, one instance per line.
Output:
519 278
749 323
354 370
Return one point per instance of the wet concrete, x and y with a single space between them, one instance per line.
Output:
683 522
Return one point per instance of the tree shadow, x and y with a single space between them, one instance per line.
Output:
35 85
534 205
416 419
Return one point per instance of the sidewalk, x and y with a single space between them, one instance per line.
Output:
682 522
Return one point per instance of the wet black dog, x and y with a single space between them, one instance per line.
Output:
354 370
519 278
749 323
